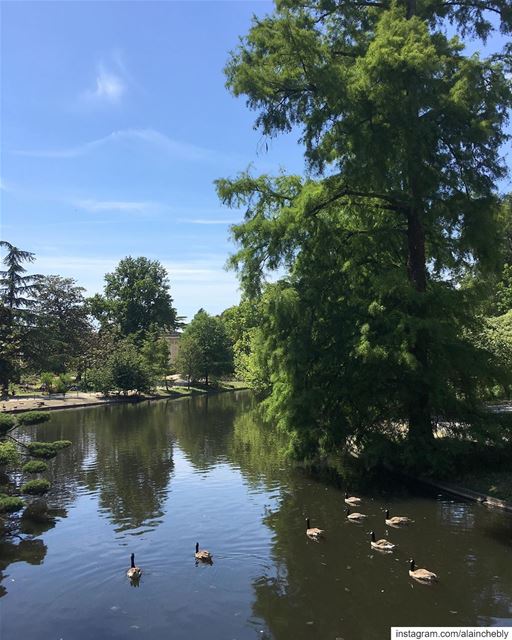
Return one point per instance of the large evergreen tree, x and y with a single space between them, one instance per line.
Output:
402 131
17 290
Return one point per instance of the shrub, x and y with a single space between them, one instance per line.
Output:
10 504
34 466
61 444
33 417
47 450
8 454
6 422
44 450
36 487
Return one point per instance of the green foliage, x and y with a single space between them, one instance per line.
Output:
372 322
124 370
136 298
189 359
155 352
16 319
205 350
61 444
241 322
7 422
9 455
504 290
33 417
10 504
44 450
34 466
36 487
49 380
496 338
61 325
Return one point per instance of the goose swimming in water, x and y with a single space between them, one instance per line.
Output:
134 572
352 500
355 517
313 532
382 544
397 521
422 575
202 554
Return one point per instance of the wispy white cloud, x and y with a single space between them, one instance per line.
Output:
111 81
149 137
117 206
109 87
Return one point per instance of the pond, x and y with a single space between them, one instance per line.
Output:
154 478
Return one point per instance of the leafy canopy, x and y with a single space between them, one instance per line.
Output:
136 297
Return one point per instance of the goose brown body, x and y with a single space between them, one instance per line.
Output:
134 572
382 544
397 521
356 516
422 575
313 532
202 554
352 501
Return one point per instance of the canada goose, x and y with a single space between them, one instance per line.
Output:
313 532
382 544
134 572
422 575
352 500
397 521
203 555
354 517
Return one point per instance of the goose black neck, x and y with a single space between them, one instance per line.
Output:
197 547
387 514
372 533
412 564
307 523
133 560
346 494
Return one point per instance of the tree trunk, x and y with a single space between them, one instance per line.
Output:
420 423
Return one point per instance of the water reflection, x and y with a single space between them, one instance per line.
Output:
12 550
131 467
206 469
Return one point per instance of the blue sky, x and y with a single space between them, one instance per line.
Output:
115 122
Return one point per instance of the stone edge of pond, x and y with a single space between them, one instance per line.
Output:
469 494
101 402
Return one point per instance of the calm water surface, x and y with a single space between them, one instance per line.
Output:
156 478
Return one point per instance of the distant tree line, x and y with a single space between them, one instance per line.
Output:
115 341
